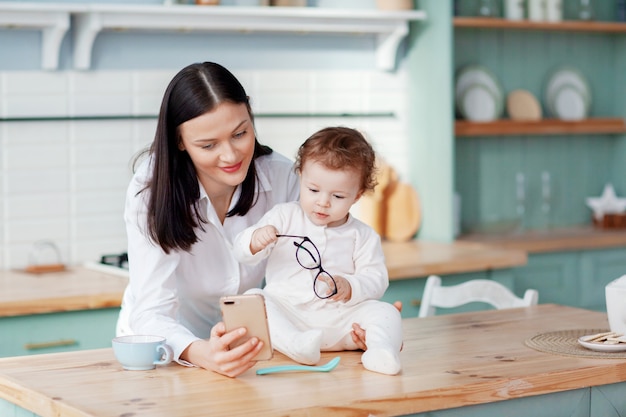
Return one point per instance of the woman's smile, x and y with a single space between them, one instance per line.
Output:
232 169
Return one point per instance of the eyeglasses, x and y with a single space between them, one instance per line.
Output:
308 256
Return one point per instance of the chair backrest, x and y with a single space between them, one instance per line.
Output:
477 290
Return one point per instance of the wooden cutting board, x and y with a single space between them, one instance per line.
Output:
403 213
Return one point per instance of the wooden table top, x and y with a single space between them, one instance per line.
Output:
448 361
79 288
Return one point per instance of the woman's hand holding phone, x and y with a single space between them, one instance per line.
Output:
214 353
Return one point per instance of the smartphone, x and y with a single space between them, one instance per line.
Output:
248 310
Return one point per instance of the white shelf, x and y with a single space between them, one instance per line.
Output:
389 28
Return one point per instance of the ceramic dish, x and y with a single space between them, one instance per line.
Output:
567 77
479 104
601 347
569 103
476 75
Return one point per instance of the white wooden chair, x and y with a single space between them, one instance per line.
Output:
476 290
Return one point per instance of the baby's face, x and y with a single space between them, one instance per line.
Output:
327 195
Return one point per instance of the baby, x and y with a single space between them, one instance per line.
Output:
326 269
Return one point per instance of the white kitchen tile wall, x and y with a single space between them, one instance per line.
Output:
65 180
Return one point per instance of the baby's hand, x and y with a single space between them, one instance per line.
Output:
344 289
262 237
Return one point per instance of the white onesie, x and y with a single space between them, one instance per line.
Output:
301 324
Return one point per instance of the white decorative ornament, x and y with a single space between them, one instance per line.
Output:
607 203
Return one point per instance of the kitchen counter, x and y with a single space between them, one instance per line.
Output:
417 259
555 240
472 359
76 288
79 288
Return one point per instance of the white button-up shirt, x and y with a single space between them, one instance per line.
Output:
176 295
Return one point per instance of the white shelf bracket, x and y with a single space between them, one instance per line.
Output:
53 25
387 47
86 28
51 39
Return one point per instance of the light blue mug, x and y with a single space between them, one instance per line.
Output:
141 352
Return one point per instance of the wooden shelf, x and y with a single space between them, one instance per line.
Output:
506 127
566 25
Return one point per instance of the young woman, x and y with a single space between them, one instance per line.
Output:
206 178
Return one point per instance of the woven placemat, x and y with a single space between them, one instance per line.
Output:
565 342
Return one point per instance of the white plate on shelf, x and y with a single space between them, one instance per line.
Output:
569 78
601 347
569 103
479 104
472 75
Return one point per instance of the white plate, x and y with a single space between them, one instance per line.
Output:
601 347
474 74
568 103
478 104
567 76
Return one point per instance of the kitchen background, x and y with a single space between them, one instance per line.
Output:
67 137
64 180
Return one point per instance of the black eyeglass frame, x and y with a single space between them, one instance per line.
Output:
319 267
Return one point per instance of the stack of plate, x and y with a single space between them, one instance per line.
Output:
567 94
478 94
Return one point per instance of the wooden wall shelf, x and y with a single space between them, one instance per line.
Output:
506 127
566 25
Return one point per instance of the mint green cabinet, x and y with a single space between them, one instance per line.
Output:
57 332
554 275
598 268
574 278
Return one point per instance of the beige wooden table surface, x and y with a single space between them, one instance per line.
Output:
448 361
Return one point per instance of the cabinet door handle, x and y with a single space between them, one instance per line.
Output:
416 302
56 343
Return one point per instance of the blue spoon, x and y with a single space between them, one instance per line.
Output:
288 368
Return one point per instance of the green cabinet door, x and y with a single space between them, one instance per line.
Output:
555 275
598 268
573 278
57 332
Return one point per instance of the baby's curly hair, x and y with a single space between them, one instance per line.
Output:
340 148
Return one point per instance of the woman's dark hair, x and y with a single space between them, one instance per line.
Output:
174 211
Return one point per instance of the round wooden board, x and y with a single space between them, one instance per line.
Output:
523 105
404 214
